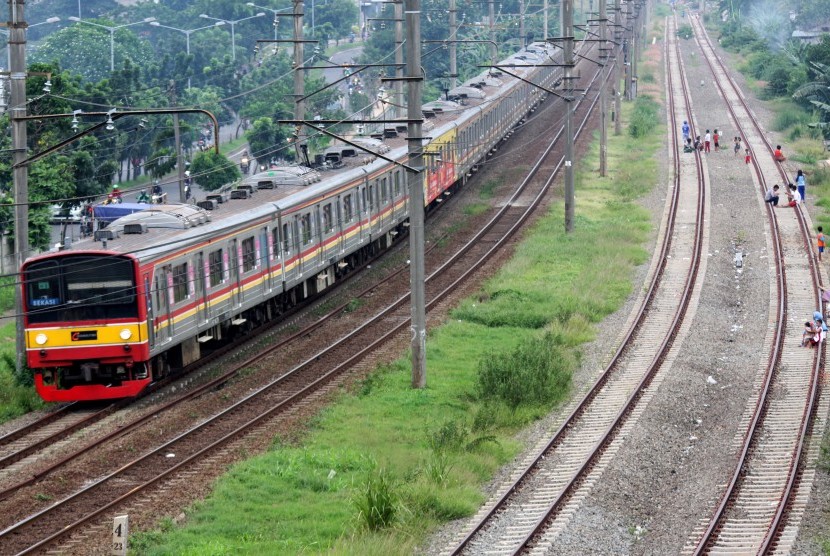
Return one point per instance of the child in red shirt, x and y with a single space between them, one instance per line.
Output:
748 157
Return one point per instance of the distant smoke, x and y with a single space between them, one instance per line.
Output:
771 20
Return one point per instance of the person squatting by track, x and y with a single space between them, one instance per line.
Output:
772 195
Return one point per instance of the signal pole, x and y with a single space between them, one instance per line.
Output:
20 174
412 9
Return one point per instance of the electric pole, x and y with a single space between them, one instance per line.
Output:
399 99
299 85
453 45
568 37
491 14
603 92
20 174
177 138
618 34
416 191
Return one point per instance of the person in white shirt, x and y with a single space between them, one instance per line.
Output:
793 196
707 140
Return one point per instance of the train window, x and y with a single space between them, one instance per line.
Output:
215 267
305 228
179 282
328 221
286 238
348 209
365 201
97 286
384 191
397 183
248 255
371 198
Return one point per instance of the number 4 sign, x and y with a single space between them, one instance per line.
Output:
120 530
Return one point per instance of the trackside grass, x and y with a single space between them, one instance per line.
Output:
385 465
17 394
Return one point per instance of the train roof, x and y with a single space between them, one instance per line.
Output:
151 231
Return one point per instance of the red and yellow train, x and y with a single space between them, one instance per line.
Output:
108 315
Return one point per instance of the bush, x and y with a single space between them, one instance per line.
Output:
685 31
535 373
377 500
644 118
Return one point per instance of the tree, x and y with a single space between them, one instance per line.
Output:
341 14
211 170
86 49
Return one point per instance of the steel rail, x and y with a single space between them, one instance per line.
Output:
762 403
591 395
668 341
225 439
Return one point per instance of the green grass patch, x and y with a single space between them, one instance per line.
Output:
488 190
474 209
17 394
644 118
386 465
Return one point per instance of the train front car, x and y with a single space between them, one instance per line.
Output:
85 323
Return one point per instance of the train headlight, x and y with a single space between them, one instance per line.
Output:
40 339
126 334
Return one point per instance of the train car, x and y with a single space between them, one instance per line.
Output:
107 315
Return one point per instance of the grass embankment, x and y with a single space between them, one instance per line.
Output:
384 466
17 395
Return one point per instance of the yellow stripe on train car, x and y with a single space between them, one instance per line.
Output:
126 333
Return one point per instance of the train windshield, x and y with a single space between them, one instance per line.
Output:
80 288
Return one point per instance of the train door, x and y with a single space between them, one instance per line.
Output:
268 243
151 315
201 273
372 199
300 231
340 227
236 274
163 323
319 231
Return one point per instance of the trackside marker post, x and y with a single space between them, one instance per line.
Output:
120 531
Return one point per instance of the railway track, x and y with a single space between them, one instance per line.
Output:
759 499
51 428
223 432
537 505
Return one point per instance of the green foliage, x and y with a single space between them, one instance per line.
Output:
212 170
685 31
451 436
376 500
535 373
86 49
17 396
644 118
788 115
160 162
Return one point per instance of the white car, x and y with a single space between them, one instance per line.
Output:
61 214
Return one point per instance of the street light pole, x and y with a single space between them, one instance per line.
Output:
273 11
112 31
187 33
232 23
